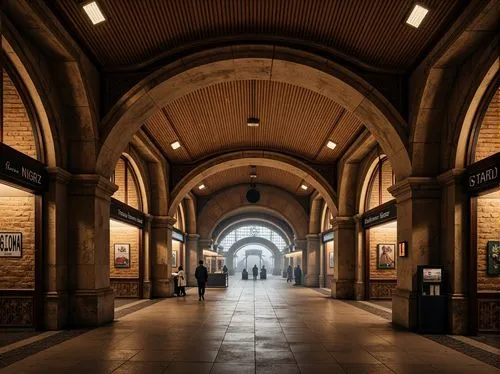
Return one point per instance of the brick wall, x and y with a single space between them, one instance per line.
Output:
18 215
17 130
488 142
131 196
488 228
386 183
121 233
383 234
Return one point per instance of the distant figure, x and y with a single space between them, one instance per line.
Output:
244 274
201 275
255 271
298 275
181 275
225 269
263 272
289 273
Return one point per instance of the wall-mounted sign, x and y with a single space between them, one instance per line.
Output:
484 175
327 236
122 255
11 244
125 213
177 235
22 170
381 214
403 249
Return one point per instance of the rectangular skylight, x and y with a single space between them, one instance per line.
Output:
331 144
94 12
417 15
175 145
304 187
201 187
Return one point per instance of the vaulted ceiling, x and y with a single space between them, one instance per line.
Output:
293 120
265 175
371 32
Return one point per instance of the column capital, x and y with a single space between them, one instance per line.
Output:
205 243
59 175
91 185
343 222
452 176
301 243
192 237
416 188
166 222
313 236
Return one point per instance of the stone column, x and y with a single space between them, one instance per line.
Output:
146 261
191 257
161 255
419 224
454 226
311 278
91 297
230 263
56 303
360 260
321 264
344 247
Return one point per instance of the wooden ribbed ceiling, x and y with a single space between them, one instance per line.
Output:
265 176
293 120
371 31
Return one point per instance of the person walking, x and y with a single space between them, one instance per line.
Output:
181 279
255 271
289 273
201 275
298 276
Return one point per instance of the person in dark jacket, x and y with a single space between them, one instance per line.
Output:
255 271
289 273
298 275
201 275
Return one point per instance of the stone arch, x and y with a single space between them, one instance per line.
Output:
237 159
181 221
141 180
326 217
365 177
268 62
238 221
190 215
315 215
232 201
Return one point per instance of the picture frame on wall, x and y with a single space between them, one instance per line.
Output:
122 255
403 249
331 259
386 256
174 258
493 257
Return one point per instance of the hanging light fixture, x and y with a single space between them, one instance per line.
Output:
253 195
253 121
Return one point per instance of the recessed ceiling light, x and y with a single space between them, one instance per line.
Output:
417 15
201 187
304 187
331 144
253 175
94 12
253 122
175 145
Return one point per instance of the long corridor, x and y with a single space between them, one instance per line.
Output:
251 327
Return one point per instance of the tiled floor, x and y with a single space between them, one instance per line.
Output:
252 327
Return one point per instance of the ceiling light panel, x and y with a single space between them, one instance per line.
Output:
175 145
417 15
201 187
331 144
94 12
304 187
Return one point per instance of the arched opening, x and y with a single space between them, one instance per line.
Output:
328 246
178 251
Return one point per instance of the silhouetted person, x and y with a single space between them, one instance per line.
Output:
263 272
244 274
255 271
225 269
181 281
201 275
298 275
289 273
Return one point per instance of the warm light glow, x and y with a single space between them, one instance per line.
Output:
253 175
94 12
253 122
8 191
294 254
331 144
417 15
201 187
120 225
304 187
175 145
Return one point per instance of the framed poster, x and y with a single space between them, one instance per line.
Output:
122 255
432 275
493 257
174 258
11 244
331 259
385 256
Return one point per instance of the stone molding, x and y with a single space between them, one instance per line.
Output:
192 237
415 188
92 185
59 175
343 222
204 243
166 222
452 176
301 244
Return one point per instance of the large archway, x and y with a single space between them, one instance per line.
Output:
314 73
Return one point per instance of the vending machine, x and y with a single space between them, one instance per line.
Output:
430 299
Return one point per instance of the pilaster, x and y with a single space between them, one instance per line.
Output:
311 276
191 257
161 256
147 291
344 277
360 260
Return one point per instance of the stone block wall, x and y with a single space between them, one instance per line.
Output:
17 127
383 234
121 233
488 142
18 215
488 228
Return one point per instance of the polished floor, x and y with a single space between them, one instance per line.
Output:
264 326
